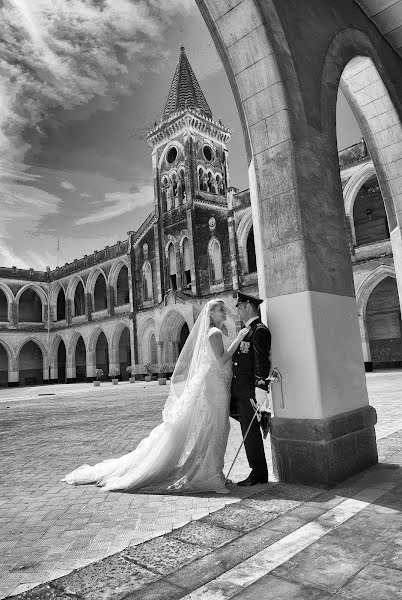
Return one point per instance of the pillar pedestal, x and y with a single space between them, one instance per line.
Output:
324 451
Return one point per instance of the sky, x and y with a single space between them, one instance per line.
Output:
81 83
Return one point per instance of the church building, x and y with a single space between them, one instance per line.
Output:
134 303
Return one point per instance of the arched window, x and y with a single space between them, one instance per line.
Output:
369 216
30 307
3 307
122 294
251 259
147 281
186 264
79 300
164 192
172 267
100 300
215 262
61 306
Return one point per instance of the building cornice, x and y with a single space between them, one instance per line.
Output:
184 121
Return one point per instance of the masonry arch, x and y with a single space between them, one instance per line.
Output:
379 308
169 334
353 63
6 300
77 358
31 359
98 351
31 301
98 289
120 349
58 359
76 296
118 282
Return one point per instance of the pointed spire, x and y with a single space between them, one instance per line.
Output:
185 91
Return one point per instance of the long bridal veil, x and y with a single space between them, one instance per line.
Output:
168 458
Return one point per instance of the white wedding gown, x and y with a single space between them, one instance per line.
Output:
186 451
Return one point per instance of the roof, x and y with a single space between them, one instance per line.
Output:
185 91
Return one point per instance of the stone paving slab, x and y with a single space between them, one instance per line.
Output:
45 532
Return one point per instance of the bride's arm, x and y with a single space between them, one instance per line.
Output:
215 339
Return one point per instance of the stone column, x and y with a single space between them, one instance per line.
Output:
110 300
69 311
175 356
13 314
70 373
88 306
396 241
160 351
323 428
232 240
365 344
54 372
13 372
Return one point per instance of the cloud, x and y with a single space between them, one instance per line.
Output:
80 53
119 203
23 206
68 186
10 258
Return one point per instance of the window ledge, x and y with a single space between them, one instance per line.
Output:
100 314
122 308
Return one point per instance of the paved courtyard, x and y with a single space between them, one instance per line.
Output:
49 529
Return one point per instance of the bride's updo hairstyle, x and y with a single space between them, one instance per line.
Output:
214 305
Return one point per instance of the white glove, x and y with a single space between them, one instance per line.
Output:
261 397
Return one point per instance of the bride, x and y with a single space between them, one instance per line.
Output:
186 451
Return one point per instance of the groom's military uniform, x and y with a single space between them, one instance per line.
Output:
251 368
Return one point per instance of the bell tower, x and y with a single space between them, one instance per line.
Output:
189 161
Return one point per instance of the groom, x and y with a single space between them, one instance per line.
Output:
251 367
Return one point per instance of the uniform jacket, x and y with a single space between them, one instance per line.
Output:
251 361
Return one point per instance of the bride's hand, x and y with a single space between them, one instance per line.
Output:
242 334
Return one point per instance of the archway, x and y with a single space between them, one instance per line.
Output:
369 216
80 360
61 305
122 292
169 335
3 366
61 362
30 307
30 364
3 307
100 298
184 333
124 350
383 322
285 86
79 300
102 354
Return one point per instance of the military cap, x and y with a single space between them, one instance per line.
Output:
240 297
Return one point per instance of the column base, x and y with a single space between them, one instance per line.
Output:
12 384
324 451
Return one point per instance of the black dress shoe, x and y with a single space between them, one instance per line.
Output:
252 481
